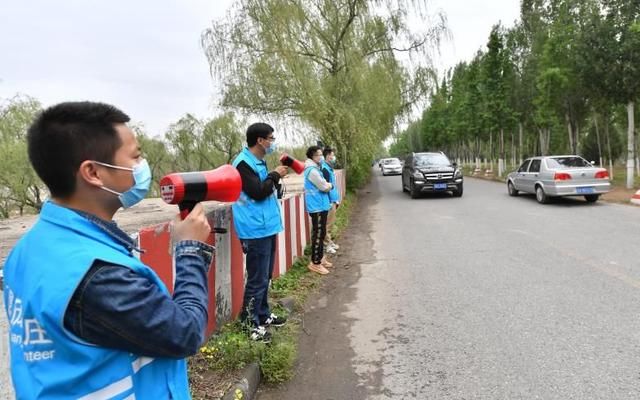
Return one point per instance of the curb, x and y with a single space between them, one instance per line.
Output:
288 303
246 386
635 199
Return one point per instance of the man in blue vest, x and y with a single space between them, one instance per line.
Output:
87 319
328 164
257 219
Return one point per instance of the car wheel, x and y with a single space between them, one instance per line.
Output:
592 198
414 193
511 189
458 193
541 195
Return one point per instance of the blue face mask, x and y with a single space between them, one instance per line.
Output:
272 147
142 182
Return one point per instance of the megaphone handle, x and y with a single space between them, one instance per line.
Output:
185 208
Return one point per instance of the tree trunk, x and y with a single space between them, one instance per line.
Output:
608 140
477 152
520 144
545 136
491 150
572 148
595 123
501 160
630 144
635 152
577 137
513 149
541 140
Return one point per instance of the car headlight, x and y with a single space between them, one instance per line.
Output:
418 175
458 173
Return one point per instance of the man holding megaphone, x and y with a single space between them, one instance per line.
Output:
87 318
257 220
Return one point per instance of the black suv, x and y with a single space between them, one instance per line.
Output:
430 173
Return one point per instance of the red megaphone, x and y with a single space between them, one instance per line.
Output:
188 188
292 163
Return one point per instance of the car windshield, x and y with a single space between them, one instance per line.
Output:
567 162
432 160
392 161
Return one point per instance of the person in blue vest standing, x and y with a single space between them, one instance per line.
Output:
328 164
257 220
317 203
87 319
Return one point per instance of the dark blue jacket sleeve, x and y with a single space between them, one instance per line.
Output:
115 307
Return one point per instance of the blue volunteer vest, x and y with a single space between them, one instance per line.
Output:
334 194
47 361
256 219
315 200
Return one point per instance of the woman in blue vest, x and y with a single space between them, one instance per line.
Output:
87 318
316 194
328 164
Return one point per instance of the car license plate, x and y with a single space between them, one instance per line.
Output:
585 190
440 186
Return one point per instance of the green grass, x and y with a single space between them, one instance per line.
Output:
343 215
230 349
620 177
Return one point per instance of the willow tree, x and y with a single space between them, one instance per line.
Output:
20 187
336 65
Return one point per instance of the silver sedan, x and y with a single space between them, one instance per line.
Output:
391 166
555 176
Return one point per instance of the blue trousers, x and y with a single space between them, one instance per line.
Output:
260 259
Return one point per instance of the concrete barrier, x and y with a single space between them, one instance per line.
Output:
635 199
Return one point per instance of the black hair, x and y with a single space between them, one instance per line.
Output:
65 135
311 151
258 130
327 151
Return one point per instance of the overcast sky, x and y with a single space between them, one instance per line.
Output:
144 56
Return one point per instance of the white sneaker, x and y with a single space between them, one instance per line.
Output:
330 250
260 334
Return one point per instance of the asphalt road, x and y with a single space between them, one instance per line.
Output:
481 297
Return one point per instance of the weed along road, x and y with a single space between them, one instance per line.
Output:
480 297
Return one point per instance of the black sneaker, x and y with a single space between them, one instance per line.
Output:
274 320
260 334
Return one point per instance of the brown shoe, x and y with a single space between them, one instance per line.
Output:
318 268
326 263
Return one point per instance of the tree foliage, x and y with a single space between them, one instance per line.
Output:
332 64
563 79
20 188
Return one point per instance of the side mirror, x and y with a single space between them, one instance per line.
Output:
455 165
593 163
